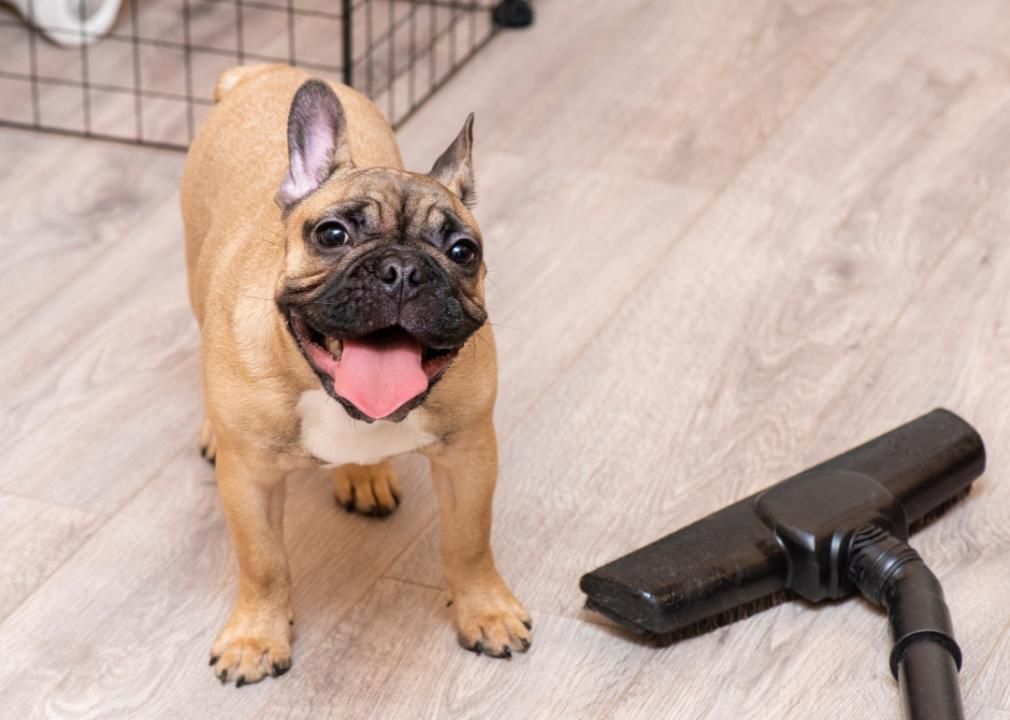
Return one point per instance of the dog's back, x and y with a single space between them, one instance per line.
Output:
239 156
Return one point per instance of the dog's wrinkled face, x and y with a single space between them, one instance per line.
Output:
383 280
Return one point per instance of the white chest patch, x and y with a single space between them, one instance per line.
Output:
336 438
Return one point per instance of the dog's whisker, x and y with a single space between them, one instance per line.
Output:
506 327
494 285
322 302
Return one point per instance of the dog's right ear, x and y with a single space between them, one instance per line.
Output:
317 142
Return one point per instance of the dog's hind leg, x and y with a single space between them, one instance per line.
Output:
367 489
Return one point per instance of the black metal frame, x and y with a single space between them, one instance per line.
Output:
399 52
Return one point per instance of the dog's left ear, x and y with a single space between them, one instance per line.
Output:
317 142
454 168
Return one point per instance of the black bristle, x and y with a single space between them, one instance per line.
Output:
727 617
937 512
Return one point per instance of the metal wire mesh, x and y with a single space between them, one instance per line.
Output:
149 79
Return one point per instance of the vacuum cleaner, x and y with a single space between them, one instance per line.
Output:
836 529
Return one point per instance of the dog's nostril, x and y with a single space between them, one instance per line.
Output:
390 271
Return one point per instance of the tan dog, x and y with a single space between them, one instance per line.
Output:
340 303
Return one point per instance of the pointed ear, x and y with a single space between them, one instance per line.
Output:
454 168
317 142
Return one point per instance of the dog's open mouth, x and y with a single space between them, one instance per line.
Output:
378 373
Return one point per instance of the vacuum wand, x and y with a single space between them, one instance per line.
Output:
925 658
831 531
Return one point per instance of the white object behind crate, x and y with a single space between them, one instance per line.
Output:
61 21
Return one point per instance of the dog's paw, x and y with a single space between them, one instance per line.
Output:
208 443
490 621
252 646
367 489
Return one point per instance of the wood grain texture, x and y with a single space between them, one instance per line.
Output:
726 241
682 92
99 350
949 347
36 539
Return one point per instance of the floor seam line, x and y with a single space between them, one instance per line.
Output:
106 519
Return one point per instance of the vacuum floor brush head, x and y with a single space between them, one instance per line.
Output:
833 530
744 558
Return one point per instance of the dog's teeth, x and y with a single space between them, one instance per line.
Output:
334 346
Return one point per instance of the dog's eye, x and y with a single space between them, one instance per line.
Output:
332 234
463 252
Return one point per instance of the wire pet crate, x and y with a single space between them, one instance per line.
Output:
149 78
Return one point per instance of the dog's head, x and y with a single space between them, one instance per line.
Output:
384 274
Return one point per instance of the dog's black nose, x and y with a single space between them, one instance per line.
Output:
400 274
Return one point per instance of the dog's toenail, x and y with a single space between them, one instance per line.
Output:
279 670
526 643
240 682
213 660
528 624
478 647
507 652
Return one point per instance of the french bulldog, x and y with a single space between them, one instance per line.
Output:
340 301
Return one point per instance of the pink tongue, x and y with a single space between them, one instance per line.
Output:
380 377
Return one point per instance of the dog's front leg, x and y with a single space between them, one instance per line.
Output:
256 641
488 618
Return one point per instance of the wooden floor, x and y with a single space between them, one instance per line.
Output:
727 240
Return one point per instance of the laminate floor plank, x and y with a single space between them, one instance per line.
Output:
36 539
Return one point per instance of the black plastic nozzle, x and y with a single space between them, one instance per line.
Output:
828 532
784 537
